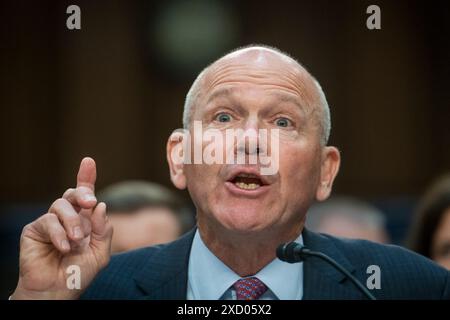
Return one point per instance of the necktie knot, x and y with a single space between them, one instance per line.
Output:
249 288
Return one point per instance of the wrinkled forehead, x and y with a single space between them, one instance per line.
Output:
263 67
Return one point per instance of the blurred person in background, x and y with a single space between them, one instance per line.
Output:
349 218
430 231
144 214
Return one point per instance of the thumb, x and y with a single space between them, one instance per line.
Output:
102 231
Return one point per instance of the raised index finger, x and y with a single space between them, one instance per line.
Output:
87 174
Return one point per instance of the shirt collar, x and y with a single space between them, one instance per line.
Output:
285 280
209 277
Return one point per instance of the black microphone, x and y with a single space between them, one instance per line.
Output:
293 252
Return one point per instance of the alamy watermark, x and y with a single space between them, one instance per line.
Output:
373 22
231 146
73 281
374 280
73 22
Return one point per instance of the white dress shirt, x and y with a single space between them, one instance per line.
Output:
210 279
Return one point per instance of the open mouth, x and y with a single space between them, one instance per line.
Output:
247 181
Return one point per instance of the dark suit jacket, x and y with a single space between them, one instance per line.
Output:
161 272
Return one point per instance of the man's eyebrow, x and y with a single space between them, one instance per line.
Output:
286 97
224 92
283 96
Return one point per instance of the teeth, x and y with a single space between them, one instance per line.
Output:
247 186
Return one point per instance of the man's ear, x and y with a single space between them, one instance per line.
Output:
331 160
175 158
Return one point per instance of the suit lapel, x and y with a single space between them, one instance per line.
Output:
321 280
165 276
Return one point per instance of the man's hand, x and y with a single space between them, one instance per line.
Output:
75 231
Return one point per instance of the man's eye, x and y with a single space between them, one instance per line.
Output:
223 117
283 122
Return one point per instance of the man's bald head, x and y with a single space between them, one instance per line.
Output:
256 57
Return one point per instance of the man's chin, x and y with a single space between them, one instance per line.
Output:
243 220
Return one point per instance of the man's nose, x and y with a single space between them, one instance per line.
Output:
251 144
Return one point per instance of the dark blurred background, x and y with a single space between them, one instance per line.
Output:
114 90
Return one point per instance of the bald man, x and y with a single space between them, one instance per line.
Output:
243 214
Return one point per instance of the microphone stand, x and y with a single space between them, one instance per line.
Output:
294 252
